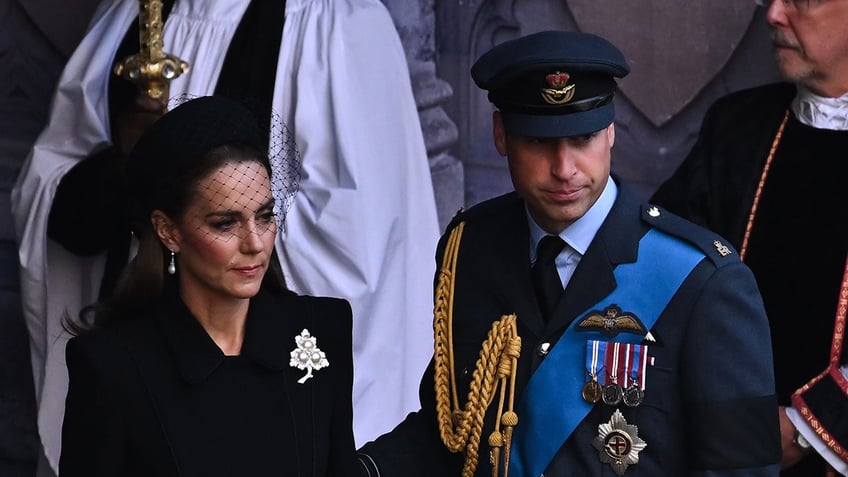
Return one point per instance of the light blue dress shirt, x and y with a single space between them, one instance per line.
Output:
578 235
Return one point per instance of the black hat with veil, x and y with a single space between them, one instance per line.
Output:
166 156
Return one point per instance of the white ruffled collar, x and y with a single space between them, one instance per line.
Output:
820 112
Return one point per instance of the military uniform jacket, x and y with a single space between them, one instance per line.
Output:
709 406
157 397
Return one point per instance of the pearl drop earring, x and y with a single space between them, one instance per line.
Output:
172 266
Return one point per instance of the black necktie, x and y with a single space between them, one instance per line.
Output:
545 277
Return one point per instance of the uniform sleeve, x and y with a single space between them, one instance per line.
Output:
728 379
414 447
93 429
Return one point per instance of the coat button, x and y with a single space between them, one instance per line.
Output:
543 349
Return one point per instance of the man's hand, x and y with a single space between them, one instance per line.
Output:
134 119
791 453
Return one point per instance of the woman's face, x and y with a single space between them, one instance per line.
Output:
226 236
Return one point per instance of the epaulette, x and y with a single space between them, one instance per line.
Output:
715 247
489 208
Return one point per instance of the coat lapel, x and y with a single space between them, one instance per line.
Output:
273 324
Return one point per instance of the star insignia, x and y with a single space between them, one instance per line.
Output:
618 443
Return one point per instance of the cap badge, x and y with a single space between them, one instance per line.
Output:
558 92
307 355
618 443
611 322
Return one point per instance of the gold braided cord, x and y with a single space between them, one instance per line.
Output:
443 339
743 250
460 428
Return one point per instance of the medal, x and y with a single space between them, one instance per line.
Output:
618 443
612 394
633 395
592 389
624 380
612 391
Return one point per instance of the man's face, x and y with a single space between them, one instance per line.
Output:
559 178
810 39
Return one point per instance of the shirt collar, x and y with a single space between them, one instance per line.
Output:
820 112
582 231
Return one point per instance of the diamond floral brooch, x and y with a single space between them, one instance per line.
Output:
307 355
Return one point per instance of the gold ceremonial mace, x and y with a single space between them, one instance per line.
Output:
151 69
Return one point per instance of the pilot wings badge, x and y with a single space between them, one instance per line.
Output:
612 321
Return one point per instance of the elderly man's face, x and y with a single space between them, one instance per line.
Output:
810 38
559 178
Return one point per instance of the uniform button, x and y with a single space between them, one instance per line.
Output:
544 348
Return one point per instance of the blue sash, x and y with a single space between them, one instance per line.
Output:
552 405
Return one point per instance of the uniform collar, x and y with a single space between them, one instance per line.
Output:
196 354
820 112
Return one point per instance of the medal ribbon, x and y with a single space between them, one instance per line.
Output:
628 367
643 365
612 363
594 350
550 408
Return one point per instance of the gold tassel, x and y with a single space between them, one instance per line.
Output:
460 428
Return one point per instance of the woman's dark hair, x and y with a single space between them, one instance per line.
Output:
171 158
